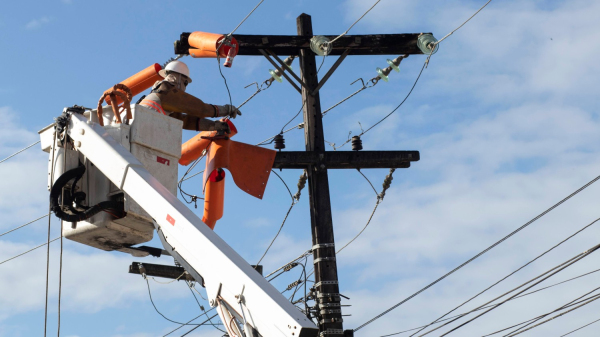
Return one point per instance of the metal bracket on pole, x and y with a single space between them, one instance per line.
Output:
281 70
331 70
290 70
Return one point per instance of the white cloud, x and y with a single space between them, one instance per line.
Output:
37 23
506 126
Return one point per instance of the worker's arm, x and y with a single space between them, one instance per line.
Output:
194 123
180 101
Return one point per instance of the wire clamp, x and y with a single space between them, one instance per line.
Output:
330 311
331 320
332 332
323 245
320 283
326 258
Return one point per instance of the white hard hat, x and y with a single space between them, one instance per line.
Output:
176 67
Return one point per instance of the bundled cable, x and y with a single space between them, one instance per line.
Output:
55 192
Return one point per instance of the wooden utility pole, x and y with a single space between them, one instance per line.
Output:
315 160
321 223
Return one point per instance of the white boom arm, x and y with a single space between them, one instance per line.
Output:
231 283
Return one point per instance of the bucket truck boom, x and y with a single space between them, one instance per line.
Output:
248 305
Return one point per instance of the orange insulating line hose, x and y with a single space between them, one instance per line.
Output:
193 148
205 45
140 81
214 197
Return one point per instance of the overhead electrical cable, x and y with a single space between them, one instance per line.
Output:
389 114
355 22
514 272
246 18
190 286
16 153
491 305
32 249
417 80
530 321
295 199
53 149
60 265
543 277
379 200
557 316
264 142
193 319
464 23
479 254
571 303
199 325
570 332
29 223
160 313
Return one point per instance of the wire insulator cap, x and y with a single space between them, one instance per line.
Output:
356 143
279 142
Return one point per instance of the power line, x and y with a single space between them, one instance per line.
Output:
557 316
199 325
355 22
16 153
514 272
193 319
244 20
53 149
491 305
160 313
459 27
571 303
295 199
29 223
32 249
570 332
379 199
396 108
190 286
559 268
479 254
291 120
537 318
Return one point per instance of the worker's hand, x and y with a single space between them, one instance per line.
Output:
228 110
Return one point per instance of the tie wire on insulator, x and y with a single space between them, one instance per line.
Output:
275 76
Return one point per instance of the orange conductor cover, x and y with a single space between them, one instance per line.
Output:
193 148
214 196
205 45
140 81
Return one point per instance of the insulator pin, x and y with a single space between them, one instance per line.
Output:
279 142
356 143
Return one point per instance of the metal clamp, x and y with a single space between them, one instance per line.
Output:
332 332
325 258
323 245
320 283
331 320
329 305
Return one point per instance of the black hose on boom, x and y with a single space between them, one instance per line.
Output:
56 191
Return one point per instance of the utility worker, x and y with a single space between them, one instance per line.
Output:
169 98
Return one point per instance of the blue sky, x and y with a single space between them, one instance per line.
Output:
505 117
